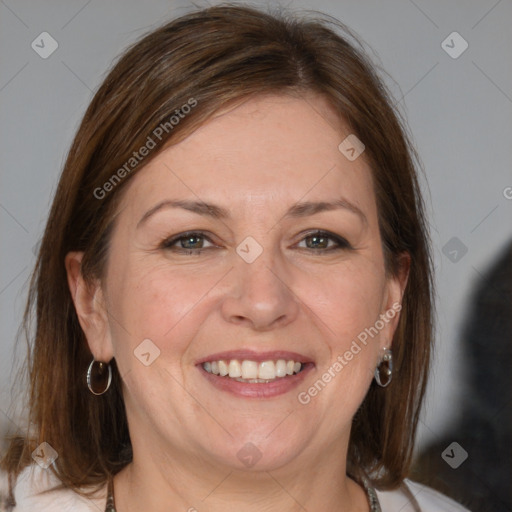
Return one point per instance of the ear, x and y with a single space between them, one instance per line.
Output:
392 305
90 307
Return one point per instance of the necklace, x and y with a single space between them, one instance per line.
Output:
111 504
373 500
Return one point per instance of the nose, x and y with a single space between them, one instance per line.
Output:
261 296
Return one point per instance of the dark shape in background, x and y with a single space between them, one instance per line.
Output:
483 482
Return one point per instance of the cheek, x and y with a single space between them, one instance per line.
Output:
346 299
347 303
156 304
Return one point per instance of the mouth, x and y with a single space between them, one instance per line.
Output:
252 374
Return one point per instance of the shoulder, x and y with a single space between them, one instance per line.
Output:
34 479
428 500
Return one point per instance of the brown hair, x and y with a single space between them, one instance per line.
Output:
209 59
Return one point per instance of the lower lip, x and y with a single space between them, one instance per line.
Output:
279 386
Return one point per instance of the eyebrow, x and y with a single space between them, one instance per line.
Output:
298 210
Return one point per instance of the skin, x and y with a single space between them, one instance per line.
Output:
256 160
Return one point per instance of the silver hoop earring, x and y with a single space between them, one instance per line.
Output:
384 371
99 377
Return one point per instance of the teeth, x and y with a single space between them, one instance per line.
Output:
281 368
267 370
249 370
252 371
254 381
223 368
235 370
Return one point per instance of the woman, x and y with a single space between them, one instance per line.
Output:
233 293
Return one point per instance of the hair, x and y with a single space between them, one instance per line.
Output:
210 59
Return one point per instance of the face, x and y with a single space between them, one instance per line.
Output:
225 250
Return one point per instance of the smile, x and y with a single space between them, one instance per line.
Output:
253 374
252 371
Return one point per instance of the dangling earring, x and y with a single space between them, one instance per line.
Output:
99 377
384 371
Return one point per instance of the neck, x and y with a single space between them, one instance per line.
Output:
193 486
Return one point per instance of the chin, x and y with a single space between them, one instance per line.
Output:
259 451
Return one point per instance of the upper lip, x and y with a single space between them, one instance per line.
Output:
252 355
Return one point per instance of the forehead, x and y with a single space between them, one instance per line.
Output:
278 146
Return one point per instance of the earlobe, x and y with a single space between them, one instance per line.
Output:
90 308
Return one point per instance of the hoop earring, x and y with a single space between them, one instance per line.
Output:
384 371
99 377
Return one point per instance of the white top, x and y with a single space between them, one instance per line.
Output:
34 479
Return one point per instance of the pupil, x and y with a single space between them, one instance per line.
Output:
318 241
189 242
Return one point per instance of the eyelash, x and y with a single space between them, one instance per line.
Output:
341 243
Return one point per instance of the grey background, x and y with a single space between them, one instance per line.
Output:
459 112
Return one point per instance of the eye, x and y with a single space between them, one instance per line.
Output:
187 243
323 241
193 242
